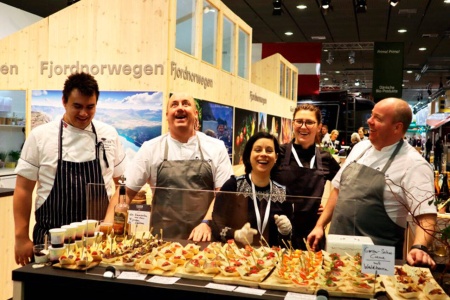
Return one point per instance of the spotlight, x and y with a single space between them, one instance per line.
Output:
276 8
361 6
351 57
326 4
330 58
393 2
356 82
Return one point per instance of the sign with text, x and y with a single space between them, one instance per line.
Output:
139 217
387 70
378 259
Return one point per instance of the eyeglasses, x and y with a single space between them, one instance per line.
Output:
308 123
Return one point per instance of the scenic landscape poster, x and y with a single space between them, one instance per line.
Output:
216 120
137 116
286 130
274 126
246 122
262 121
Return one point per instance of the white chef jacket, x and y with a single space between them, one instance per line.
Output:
144 166
39 156
409 179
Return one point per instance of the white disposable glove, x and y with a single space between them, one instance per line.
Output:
283 224
245 234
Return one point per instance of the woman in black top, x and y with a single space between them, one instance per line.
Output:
304 169
253 198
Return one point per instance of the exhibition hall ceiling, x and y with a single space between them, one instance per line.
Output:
341 29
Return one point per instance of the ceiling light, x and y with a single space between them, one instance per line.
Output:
337 72
361 6
356 82
288 33
422 49
409 71
301 6
276 8
326 4
393 2
330 58
351 57
446 1
402 30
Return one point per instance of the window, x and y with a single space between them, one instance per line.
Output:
185 30
209 41
228 45
243 54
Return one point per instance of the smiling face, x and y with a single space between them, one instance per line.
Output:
384 129
181 116
334 135
263 156
305 135
80 109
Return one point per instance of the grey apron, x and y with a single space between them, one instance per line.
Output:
301 181
66 202
360 208
178 206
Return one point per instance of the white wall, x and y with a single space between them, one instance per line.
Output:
13 19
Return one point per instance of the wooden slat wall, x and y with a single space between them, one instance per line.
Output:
137 32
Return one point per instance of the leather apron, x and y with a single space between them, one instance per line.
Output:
67 200
178 206
300 181
360 207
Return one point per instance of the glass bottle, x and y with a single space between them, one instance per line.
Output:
121 213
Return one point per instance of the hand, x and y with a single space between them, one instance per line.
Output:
314 237
23 251
245 235
201 233
417 257
283 224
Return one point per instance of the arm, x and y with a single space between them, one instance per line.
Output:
423 237
318 232
202 232
22 203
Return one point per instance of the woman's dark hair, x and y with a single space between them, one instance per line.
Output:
249 146
85 83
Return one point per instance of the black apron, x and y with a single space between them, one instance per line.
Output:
178 206
300 181
67 201
360 207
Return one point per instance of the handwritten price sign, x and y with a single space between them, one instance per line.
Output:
378 259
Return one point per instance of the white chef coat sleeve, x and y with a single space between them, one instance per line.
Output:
28 164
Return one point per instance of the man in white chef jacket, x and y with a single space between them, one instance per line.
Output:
62 157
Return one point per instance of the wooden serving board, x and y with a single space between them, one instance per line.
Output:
181 272
118 265
271 283
74 267
219 278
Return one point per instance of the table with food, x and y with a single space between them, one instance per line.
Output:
274 270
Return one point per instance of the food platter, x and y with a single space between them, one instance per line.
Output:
413 283
263 267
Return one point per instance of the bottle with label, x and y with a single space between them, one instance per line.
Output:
443 193
121 213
